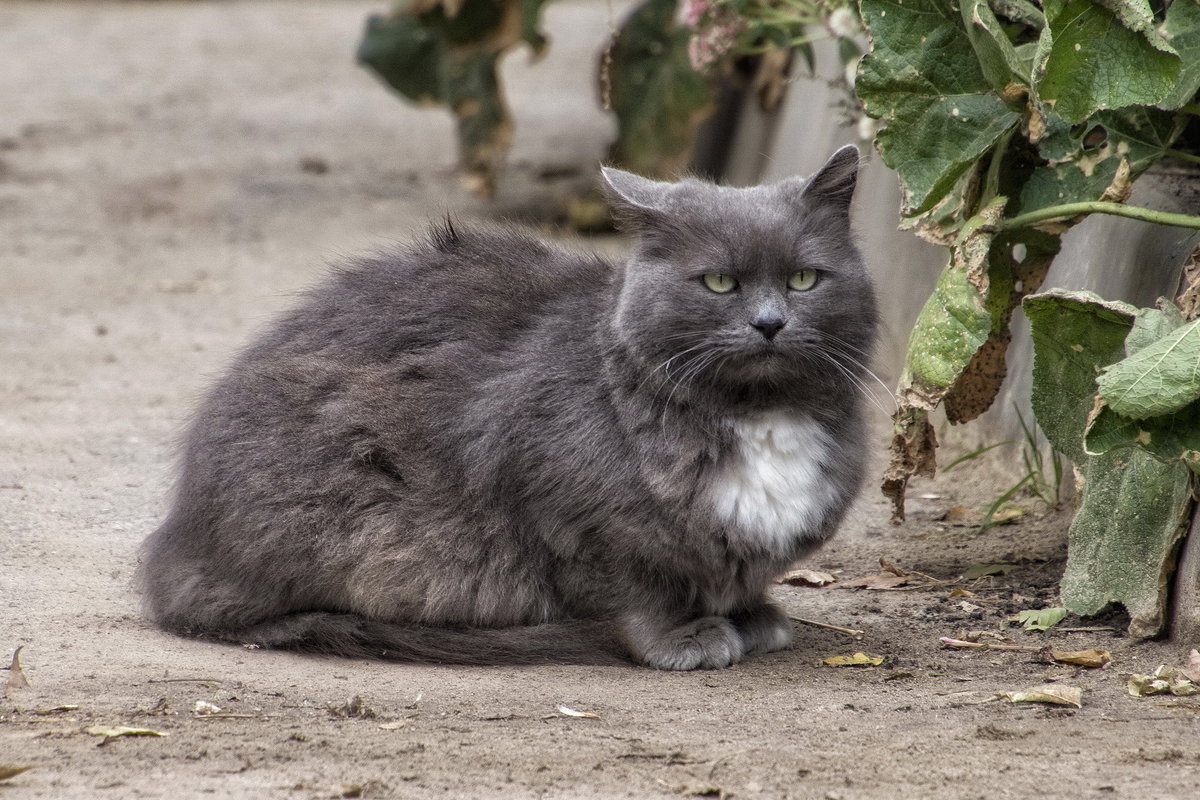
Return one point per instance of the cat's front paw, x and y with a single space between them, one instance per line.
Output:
704 643
764 629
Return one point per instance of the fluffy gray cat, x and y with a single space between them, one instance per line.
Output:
485 449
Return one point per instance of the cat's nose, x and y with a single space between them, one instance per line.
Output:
768 326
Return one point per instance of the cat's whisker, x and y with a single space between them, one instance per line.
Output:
859 384
870 373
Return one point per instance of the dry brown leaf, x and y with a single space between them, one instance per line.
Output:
888 566
856 660
961 516
16 675
808 577
11 771
1192 670
1083 658
1054 693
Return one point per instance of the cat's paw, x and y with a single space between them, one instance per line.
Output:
705 643
764 629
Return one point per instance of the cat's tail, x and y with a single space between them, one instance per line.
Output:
574 642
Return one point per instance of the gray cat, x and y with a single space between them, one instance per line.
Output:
485 449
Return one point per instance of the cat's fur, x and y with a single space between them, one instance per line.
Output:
483 448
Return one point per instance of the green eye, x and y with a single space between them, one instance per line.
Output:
803 280
719 282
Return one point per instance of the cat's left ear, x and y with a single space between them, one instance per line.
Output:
833 183
633 198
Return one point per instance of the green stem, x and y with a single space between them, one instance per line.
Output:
1069 210
1195 159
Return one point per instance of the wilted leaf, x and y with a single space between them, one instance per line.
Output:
856 660
16 675
1077 171
1122 540
808 577
1054 693
1041 619
120 730
1082 658
570 712
981 570
10 771
961 516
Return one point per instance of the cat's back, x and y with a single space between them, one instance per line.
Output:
473 287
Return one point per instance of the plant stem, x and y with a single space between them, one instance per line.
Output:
1069 210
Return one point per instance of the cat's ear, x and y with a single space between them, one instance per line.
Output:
833 183
633 198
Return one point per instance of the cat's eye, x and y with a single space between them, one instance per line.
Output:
803 280
719 282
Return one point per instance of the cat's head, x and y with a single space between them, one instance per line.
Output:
756 292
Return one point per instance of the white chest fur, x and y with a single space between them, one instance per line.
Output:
772 489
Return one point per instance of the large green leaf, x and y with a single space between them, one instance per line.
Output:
657 96
1182 29
1173 437
1160 378
998 58
1121 545
1074 334
1096 62
923 79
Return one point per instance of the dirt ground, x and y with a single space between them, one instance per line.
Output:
170 173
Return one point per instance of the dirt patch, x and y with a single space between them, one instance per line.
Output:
170 173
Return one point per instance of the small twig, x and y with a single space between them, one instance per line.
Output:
184 680
828 627
223 715
1086 630
1022 648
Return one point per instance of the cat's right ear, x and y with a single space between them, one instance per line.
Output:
633 199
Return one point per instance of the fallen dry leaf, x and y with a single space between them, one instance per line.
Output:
11 771
570 712
960 592
203 707
1008 514
16 675
1192 670
856 660
1082 658
961 516
355 708
808 577
1165 680
393 726
888 566
1054 693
